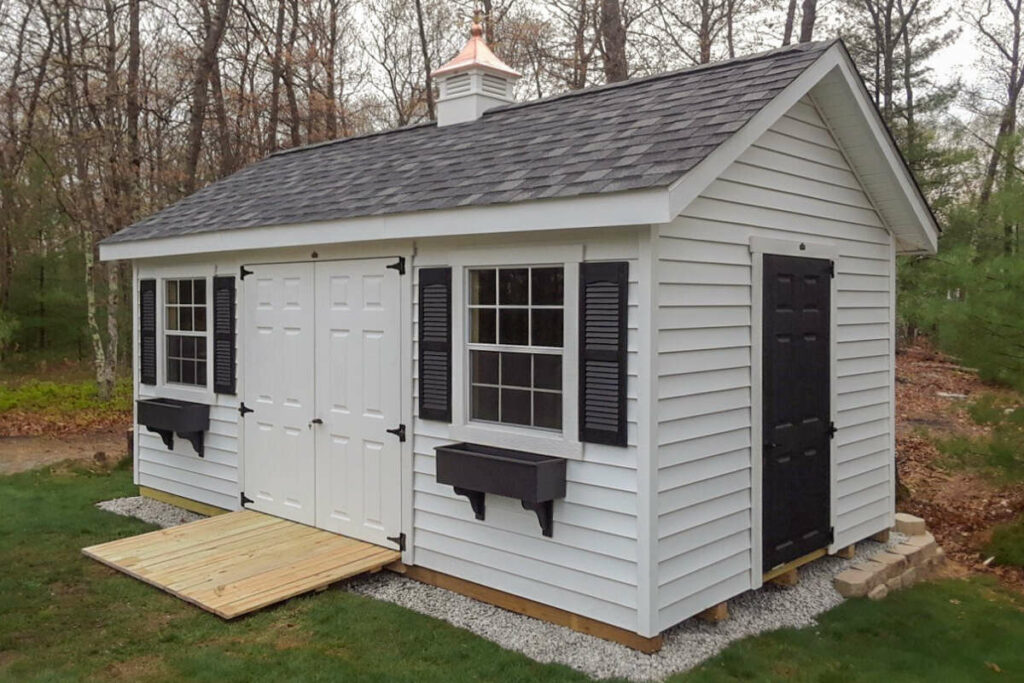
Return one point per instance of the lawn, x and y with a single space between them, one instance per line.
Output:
65 617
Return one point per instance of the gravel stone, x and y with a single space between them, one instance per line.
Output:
163 515
685 646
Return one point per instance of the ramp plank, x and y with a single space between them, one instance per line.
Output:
240 562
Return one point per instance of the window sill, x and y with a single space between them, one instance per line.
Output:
504 436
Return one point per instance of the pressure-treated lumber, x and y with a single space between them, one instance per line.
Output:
792 566
184 503
242 561
520 605
715 613
847 553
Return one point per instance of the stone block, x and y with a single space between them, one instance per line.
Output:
870 566
894 563
881 536
909 577
853 583
926 542
909 524
914 554
847 553
894 584
878 592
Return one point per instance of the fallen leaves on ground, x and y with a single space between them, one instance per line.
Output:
932 397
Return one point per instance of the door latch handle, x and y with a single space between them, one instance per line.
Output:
315 421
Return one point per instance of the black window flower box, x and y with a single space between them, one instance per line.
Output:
168 416
474 470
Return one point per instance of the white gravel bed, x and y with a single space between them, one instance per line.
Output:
163 515
685 646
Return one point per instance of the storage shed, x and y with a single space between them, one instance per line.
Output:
612 355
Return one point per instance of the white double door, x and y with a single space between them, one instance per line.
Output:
322 357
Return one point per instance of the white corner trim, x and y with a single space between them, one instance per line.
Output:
591 211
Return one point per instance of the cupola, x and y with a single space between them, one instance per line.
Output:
475 81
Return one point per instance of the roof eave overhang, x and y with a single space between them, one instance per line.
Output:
833 82
642 207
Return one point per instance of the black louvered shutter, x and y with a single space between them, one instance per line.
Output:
147 331
435 344
224 335
603 293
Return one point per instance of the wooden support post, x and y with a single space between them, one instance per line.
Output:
788 578
881 536
715 614
847 553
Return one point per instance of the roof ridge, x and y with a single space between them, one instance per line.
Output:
797 47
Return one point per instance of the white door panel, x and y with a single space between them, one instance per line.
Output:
357 396
279 388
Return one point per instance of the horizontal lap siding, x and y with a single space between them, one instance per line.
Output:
215 478
793 184
212 479
588 567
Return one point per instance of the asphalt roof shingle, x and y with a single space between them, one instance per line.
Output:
640 134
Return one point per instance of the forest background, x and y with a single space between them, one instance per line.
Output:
112 109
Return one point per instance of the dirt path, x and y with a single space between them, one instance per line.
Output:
20 453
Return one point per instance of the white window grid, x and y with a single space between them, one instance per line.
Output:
175 331
525 349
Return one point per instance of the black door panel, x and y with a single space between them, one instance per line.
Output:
796 411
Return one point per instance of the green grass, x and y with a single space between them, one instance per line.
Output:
54 404
1007 544
64 617
999 456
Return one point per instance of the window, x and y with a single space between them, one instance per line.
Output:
185 331
516 328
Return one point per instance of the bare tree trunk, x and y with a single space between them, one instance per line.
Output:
329 73
787 32
289 76
227 161
275 79
810 9
424 49
133 109
200 91
613 41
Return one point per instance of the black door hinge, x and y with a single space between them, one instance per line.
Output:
832 430
398 431
832 269
399 265
831 534
398 540
243 271
242 410
244 499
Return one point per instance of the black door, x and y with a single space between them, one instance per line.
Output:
797 430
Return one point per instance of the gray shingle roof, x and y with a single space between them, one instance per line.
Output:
640 134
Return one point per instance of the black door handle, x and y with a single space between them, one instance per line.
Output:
317 421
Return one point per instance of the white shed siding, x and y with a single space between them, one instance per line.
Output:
792 184
214 478
590 566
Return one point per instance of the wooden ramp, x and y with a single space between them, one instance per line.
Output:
242 561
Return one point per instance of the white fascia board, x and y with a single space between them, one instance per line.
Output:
641 207
901 189
926 231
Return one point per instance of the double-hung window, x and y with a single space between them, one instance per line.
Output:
185 333
515 340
